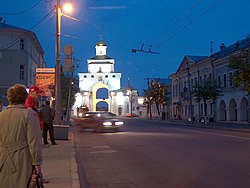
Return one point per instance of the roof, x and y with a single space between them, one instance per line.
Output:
101 57
196 58
106 62
190 59
239 45
101 43
6 26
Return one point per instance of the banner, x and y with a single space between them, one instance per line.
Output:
45 81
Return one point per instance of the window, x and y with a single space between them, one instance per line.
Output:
92 76
113 76
106 76
22 44
85 76
225 80
205 77
21 72
231 79
219 81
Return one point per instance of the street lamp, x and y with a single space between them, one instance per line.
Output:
58 65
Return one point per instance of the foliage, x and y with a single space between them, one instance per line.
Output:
206 91
241 64
66 80
159 93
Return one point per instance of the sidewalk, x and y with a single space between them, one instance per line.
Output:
227 125
59 164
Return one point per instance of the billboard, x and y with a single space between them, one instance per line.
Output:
45 81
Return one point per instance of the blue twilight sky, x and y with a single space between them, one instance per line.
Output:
174 28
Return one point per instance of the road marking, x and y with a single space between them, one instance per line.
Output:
100 147
104 151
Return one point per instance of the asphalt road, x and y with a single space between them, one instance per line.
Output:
151 154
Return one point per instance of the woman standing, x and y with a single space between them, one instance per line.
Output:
20 141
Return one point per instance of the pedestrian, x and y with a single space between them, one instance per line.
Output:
31 102
20 141
47 115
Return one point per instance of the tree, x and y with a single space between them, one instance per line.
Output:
159 95
208 90
66 80
241 76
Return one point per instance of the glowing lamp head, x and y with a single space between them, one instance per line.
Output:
67 7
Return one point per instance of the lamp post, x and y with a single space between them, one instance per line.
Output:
67 7
58 66
190 94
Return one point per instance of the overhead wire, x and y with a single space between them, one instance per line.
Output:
21 12
191 22
13 42
184 26
176 21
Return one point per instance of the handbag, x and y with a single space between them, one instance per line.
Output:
36 180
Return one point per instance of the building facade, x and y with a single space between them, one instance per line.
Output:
20 54
231 106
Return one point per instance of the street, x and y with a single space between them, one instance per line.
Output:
159 154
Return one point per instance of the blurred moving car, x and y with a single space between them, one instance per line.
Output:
99 121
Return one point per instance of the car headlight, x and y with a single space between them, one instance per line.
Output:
107 123
80 114
119 123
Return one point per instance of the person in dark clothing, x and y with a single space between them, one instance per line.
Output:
47 115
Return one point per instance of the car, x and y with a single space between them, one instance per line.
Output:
131 115
99 121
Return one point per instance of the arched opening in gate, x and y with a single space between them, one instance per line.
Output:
243 109
222 111
102 93
102 106
119 110
101 90
232 110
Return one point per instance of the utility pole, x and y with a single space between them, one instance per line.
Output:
190 94
58 67
131 96
149 100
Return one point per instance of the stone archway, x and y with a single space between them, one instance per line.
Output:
102 106
119 110
96 100
222 111
232 110
243 109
